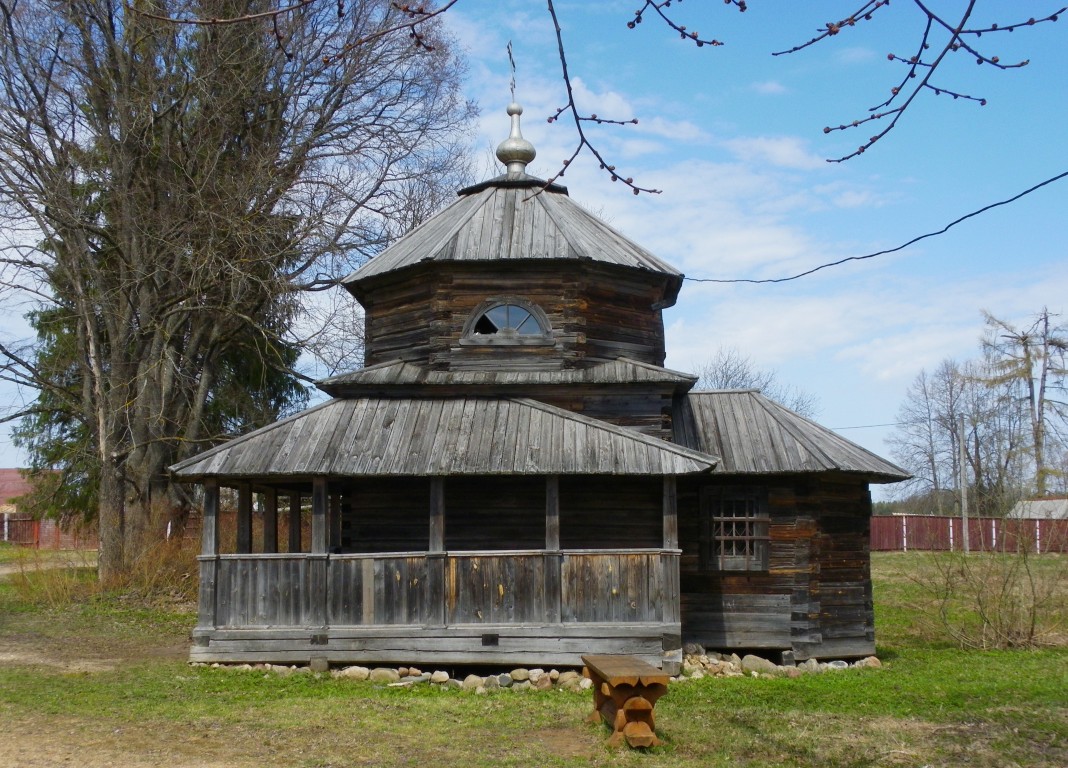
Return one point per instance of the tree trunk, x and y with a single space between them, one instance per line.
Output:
111 561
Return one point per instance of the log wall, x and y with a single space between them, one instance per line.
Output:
814 600
595 312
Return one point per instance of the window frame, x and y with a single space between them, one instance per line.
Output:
507 337
735 529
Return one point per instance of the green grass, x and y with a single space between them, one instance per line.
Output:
931 704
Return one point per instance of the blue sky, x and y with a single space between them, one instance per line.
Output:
733 136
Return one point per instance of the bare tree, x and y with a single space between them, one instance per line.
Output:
1033 361
728 368
173 188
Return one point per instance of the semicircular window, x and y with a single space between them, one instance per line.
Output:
507 320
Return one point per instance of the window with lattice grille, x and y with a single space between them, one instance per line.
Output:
734 529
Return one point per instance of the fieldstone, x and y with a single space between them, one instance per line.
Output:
519 675
492 683
522 685
792 672
453 683
554 675
471 682
283 671
689 667
871 662
714 656
585 684
481 691
692 649
403 671
384 675
698 674
573 684
505 680
758 664
567 676
837 664
809 665
413 672
439 677
543 683
534 675
354 673
423 677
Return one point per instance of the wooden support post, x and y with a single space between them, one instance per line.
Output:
244 519
553 555
209 535
435 565
270 521
672 597
317 566
320 511
294 522
335 522
209 556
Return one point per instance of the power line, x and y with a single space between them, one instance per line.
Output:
901 247
869 426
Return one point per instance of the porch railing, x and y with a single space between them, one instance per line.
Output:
436 589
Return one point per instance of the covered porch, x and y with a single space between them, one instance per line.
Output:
603 578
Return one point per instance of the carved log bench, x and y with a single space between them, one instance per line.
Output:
625 690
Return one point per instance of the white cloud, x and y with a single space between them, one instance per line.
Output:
770 88
780 151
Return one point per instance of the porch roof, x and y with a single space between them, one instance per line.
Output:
755 435
412 436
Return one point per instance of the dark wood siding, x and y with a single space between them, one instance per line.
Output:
611 513
495 513
387 516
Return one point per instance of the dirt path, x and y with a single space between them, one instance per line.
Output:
49 561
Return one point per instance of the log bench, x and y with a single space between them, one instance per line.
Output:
625 690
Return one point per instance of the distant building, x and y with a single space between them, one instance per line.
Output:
1040 509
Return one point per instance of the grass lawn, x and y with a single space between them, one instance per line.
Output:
102 680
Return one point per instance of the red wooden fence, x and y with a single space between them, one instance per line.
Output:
902 533
24 531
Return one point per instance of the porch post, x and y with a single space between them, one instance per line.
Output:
671 659
270 521
294 522
670 557
317 564
209 535
553 555
435 558
319 528
244 518
209 556
335 521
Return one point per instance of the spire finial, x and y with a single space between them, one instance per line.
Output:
515 151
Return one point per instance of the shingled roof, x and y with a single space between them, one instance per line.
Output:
361 437
404 377
754 435
514 217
